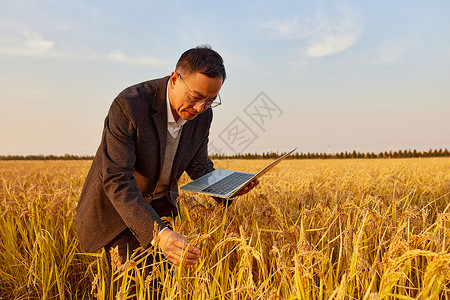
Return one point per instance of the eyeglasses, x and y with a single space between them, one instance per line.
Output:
194 100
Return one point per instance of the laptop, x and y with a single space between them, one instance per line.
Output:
227 183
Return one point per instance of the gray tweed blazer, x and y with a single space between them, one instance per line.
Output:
128 163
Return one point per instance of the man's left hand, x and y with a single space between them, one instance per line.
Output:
248 187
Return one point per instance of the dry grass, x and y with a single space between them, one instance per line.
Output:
362 229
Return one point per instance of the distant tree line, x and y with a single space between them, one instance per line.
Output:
354 154
264 155
47 157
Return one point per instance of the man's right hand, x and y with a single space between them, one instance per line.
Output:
175 246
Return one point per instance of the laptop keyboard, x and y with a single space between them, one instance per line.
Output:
229 183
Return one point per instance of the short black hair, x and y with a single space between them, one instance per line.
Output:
202 59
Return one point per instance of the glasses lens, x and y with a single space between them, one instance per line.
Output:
204 103
217 102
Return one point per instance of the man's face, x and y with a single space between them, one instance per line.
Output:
196 86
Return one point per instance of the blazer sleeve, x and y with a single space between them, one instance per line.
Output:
119 157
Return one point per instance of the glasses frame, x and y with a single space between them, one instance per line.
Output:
205 104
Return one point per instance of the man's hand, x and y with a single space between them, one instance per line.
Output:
177 249
248 187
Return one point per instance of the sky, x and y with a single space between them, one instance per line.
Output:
321 76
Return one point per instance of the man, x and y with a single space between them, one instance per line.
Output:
154 132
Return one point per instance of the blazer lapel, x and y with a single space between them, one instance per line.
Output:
159 116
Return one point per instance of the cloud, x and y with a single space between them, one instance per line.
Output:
323 35
18 40
327 44
143 60
36 43
292 29
336 34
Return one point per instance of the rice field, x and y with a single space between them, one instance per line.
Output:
313 229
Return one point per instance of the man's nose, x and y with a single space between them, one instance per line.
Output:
198 106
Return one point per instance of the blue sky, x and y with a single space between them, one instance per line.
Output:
323 76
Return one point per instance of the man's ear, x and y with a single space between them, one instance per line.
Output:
173 78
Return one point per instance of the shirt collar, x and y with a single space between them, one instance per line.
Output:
170 118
